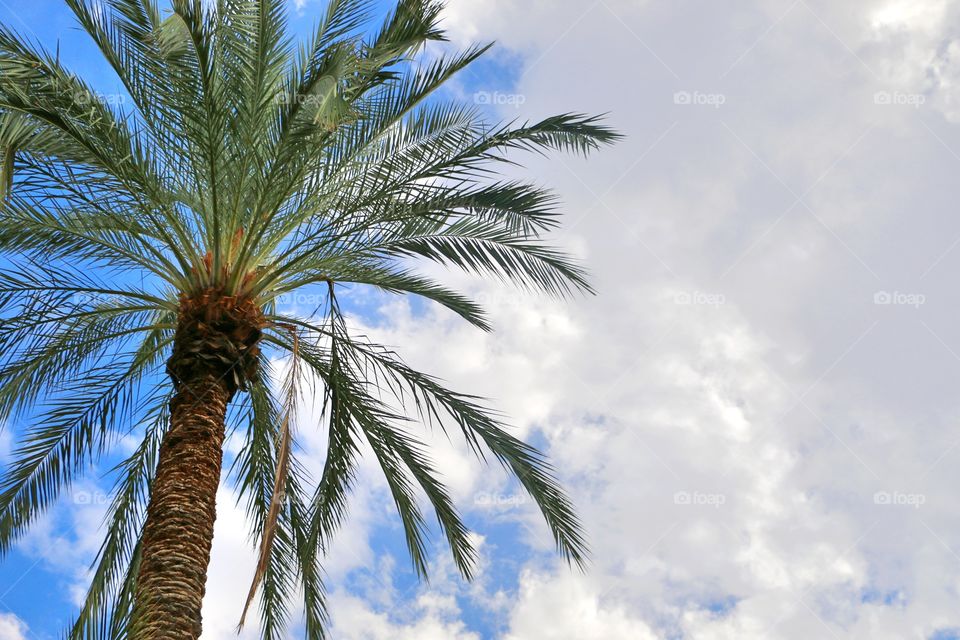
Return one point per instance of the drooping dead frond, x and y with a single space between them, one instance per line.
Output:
284 444
6 172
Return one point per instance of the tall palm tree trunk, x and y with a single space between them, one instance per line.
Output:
178 532
215 350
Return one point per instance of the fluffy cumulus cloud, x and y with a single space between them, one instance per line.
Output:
12 628
756 414
920 42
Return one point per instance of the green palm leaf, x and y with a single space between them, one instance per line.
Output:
147 243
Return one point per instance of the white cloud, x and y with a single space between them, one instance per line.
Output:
552 608
920 42
12 627
776 414
432 620
232 564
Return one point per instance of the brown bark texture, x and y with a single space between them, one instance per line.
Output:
215 354
178 532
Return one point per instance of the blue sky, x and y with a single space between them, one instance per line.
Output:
757 415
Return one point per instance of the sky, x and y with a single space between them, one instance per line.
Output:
757 415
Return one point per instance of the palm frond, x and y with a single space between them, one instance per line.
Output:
71 434
107 602
244 168
284 453
293 557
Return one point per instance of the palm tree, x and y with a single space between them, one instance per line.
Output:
147 249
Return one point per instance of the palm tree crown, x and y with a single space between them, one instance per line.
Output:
145 246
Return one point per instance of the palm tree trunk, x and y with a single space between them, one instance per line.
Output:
178 533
